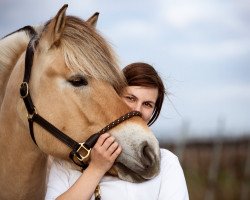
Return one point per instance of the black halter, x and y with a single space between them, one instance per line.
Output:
80 151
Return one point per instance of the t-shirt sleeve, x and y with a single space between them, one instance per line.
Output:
58 181
173 183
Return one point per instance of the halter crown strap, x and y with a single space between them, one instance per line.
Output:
33 116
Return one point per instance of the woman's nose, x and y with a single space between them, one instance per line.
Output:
137 107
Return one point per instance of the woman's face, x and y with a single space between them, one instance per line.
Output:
141 99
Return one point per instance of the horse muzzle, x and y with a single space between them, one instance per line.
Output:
140 157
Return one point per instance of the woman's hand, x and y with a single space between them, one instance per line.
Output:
104 153
103 156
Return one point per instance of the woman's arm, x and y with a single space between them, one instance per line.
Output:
103 155
84 187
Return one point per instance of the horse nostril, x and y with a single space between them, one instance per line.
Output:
147 156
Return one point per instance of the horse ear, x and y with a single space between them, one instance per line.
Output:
55 27
93 19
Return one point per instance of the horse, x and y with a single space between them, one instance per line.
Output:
74 84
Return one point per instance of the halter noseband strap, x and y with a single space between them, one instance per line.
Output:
90 142
80 151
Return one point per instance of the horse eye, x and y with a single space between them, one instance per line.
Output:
78 81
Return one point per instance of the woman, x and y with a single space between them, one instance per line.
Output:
144 93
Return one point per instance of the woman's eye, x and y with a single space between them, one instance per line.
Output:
148 105
130 98
78 81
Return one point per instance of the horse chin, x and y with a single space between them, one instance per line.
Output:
127 174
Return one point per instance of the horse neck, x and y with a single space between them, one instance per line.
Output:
23 165
11 48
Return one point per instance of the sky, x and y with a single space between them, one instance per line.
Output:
201 49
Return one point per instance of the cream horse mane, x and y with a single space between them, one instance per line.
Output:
11 46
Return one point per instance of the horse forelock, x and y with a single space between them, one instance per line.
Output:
85 50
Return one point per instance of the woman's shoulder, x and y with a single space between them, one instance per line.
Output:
168 159
173 183
168 155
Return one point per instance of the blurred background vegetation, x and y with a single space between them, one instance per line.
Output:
215 169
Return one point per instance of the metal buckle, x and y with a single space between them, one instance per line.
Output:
87 153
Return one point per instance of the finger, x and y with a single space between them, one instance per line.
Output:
110 140
116 153
102 139
112 148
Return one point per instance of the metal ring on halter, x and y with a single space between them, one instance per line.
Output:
79 156
30 116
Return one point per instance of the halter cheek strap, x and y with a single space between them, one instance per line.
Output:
80 151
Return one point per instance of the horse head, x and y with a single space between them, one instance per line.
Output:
75 84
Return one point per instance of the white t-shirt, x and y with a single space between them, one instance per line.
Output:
170 184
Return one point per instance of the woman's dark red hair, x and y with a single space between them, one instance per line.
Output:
143 74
